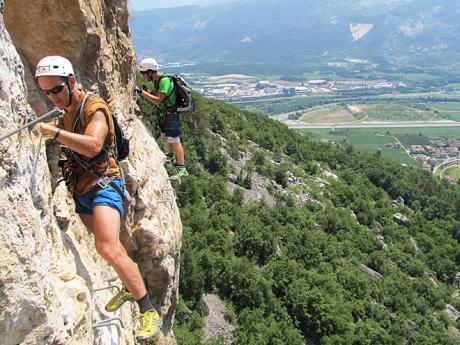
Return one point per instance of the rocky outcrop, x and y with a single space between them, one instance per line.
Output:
452 313
370 272
402 220
50 274
216 324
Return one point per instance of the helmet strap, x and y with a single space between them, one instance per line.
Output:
150 74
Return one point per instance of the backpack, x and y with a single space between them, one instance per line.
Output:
121 149
183 93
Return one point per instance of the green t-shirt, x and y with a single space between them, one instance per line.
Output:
165 85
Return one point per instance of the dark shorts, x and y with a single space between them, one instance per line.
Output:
85 203
171 125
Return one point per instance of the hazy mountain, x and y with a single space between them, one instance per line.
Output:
296 31
144 5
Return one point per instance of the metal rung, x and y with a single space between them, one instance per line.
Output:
168 160
107 288
162 201
111 322
175 178
169 190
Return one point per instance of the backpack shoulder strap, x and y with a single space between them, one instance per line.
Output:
86 164
170 78
80 116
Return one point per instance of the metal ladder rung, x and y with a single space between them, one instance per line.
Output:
107 288
162 201
175 178
110 286
109 323
111 320
169 190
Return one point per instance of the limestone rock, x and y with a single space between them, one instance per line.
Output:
401 219
452 312
215 324
414 243
371 272
381 239
454 331
397 202
330 175
50 272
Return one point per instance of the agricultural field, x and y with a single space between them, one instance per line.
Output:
399 111
453 172
403 111
418 77
327 114
430 133
413 139
372 139
450 106
449 110
453 85
363 139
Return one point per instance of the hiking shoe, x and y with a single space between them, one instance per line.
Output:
117 301
181 171
150 325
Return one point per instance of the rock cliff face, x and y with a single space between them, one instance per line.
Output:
49 270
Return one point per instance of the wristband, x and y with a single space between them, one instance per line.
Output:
57 134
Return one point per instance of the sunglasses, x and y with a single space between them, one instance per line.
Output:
55 90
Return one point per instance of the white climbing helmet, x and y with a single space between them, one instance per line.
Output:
54 66
148 64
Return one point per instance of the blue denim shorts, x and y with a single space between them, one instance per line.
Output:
171 125
108 196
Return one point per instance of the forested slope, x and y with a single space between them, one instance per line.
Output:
352 249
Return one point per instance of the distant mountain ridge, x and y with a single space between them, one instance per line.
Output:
296 31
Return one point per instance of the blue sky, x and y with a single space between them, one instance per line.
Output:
144 5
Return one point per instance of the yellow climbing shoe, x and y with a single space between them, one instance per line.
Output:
117 301
150 325
181 171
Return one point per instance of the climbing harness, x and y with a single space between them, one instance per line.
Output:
103 181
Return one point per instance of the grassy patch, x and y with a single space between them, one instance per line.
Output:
455 116
446 106
453 172
418 77
362 139
413 139
449 110
333 113
398 111
372 139
453 86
